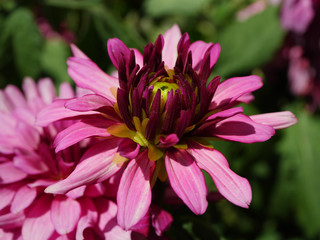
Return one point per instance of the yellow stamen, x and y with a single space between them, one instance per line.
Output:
162 175
121 130
181 146
113 91
118 159
154 153
140 139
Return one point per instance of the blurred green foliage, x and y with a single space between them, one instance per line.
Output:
283 171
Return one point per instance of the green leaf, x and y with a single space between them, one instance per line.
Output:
54 59
247 45
74 4
26 40
159 8
299 182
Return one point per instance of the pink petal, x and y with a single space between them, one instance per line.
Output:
241 128
77 192
246 98
46 90
187 180
161 220
24 115
38 224
6 194
170 52
139 57
233 88
11 220
88 127
95 166
30 162
6 106
9 235
30 135
57 111
65 90
23 199
77 52
16 97
117 50
276 120
30 89
233 187
142 226
65 213
108 221
134 193
88 75
225 113
88 103
41 183
199 49
9 173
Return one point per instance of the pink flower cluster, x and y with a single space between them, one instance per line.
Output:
84 166
28 164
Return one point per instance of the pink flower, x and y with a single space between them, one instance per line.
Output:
296 15
28 165
163 118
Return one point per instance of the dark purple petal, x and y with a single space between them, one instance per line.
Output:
154 116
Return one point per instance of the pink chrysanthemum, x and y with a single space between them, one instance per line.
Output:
163 117
28 164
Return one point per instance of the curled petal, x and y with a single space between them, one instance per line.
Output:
233 187
134 193
276 120
96 165
187 180
168 141
128 148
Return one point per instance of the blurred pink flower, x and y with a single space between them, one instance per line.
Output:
28 165
159 119
48 32
296 15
